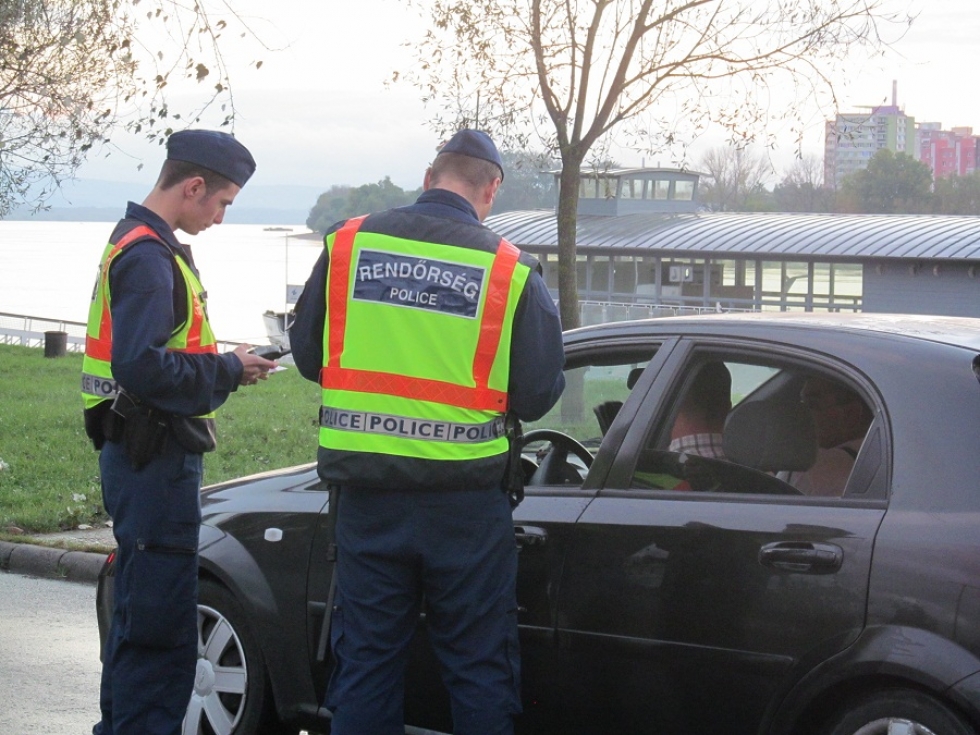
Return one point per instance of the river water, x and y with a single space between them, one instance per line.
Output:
48 270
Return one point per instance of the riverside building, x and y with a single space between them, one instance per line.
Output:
645 247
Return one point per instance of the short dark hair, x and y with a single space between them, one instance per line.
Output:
710 395
474 171
174 172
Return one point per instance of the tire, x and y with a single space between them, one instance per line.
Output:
897 712
231 692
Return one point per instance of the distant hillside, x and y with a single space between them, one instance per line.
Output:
89 200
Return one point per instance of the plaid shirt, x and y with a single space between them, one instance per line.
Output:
703 445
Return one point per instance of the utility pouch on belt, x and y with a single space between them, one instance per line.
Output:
196 435
514 480
144 431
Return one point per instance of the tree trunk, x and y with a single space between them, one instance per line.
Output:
567 218
572 403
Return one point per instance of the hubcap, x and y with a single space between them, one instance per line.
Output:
894 726
203 678
221 678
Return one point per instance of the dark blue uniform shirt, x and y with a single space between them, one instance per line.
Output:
141 282
536 353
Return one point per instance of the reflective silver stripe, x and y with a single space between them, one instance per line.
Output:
95 385
410 428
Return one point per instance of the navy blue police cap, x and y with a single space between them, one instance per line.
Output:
213 150
475 144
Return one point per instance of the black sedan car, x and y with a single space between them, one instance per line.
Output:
670 590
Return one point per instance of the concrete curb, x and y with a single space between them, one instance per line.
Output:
45 561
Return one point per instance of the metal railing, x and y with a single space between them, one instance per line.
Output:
29 331
599 312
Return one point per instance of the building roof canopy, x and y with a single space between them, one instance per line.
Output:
820 237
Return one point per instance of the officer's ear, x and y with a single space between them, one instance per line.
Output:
194 186
491 191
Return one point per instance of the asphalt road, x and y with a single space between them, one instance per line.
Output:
49 656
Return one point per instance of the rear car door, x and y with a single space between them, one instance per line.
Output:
695 610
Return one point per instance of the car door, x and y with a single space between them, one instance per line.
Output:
542 524
687 611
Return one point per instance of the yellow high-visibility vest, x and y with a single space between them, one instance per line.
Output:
416 349
194 335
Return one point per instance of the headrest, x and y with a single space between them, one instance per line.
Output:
634 376
771 436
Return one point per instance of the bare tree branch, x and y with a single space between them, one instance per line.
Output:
73 71
588 67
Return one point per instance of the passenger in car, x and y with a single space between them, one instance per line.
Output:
701 418
841 418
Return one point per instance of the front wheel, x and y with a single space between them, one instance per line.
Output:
231 693
897 712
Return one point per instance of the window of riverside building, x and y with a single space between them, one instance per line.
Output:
785 286
823 285
731 283
848 283
646 277
631 189
624 276
684 191
596 187
549 264
682 281
598 287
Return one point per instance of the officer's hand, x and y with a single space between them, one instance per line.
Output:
256 368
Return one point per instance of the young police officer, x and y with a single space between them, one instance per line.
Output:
152 377
425 329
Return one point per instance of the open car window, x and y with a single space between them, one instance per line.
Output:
595 387
563 443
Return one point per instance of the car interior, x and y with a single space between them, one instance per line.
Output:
768 443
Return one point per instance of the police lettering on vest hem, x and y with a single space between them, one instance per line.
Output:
96 385
410 428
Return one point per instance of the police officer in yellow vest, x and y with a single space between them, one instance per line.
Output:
152 378
424 330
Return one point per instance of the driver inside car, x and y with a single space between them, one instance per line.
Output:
701 417
696 432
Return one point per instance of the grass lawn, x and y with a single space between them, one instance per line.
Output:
49 472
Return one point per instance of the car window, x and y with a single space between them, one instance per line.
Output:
752 425
592 397
746 378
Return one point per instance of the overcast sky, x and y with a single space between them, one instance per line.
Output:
317 113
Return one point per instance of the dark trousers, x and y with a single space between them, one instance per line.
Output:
455 549
151 651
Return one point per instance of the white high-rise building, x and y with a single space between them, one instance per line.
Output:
853 138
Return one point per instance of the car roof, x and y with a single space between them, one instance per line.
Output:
951 330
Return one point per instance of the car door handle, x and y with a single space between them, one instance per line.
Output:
802 556
530 535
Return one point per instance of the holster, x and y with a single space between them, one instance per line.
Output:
514 479
144 429
102 424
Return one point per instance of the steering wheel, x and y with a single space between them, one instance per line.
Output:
554 469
